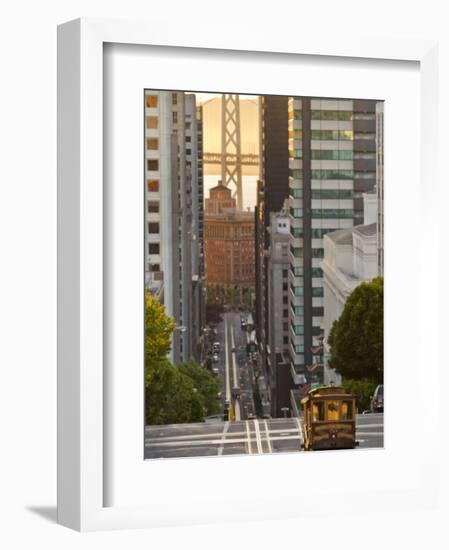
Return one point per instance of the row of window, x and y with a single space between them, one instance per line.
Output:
324 194
331 154
325 115
332 174
298 271
331 213
316 311
343 135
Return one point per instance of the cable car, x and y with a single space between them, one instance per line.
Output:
328 418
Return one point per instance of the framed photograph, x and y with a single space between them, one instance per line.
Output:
227 217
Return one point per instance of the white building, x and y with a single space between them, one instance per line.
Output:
350 258
171 173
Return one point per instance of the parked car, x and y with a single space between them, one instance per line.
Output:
377 400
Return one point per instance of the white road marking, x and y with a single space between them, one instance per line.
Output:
299 426
236 383
223 438
206 442
227 374
175 438
267 436
248 438
258 438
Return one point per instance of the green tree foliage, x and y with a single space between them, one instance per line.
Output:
173 394
206 386
356 338
363 391
159 328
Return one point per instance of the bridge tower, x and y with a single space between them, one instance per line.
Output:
231 161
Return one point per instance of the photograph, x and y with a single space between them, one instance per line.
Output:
263 273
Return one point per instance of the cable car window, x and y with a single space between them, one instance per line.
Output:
333 410
346 410
317 411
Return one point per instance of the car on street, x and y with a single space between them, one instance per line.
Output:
377 400
235 393
233 350
215 358
215 369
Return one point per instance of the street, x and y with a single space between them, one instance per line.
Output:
245 437
247 434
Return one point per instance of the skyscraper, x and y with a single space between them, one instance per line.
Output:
272 190
172 198
332 163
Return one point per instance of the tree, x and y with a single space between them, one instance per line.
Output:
173 394
356 338
159 328
363 390
206 386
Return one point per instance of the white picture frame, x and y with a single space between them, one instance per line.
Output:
81 403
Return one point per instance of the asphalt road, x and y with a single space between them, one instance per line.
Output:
244 437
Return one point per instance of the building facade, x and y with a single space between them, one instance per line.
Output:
332 161
350 258
172 187
275 350
228 242
272 190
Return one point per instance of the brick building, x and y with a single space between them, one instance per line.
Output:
228 241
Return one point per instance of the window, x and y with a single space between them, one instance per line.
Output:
298 271
284 286
325 154
153 227
152 207
153 248
338 194
174 99
152 165
317 411
151 101
346 410
297 115
298 290
331 213
299 329
333 135
299 348
152 186
333 410
297 252
317 311
285 326
332 174
152 143
285 313
285 300
296 193
296 174
296 212
175 117
285 340
285 273
317 292
152 122
297 232
317 252
155 267
295 134
299 311
331 115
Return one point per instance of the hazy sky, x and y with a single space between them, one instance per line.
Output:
203 97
